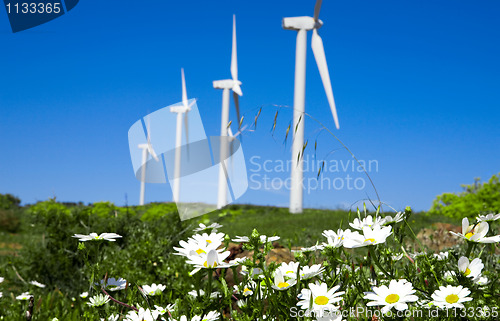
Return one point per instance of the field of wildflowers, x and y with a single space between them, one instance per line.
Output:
364 272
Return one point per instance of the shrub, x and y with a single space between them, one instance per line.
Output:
477 198
9 213
8 201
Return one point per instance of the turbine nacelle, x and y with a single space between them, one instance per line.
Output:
180 109
301 23
226 84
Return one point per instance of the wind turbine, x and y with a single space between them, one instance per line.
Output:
234 86
181 113
147 149
302 25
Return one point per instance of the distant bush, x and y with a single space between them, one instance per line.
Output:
8 201
9 213
477 198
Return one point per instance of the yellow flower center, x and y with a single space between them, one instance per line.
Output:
467 272
321 300
452 298
246 290
199 251
370 240
206 264
209 242
392 298
469 235
283 285
289 272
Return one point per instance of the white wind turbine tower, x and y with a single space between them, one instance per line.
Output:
227 85
146 150
302 25
181 113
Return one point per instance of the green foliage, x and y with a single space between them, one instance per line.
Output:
9 213
143 254
158 210
477 198
8 201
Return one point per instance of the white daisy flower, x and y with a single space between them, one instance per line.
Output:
241 303
416 255
317 247
248 288
451 296
38 284
289 270
481 280
370 236
153 289
211 316
471 270
476 233
113 317
390 220
488 218
441 256
24 296
308 272
319 299
279 282
141 315
1 294
196 247
238 261
210 260
449 276
84 295
368 221
113 284
396 295
98 300
161 311
263 239
194 293
94 237
256 272
203 227
208 239
1 279
335 239
397 257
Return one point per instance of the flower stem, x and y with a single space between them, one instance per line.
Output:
469 249
377 263
116 301
209 285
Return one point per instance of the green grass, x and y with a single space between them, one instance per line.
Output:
297 229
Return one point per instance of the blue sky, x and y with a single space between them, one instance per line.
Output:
415 82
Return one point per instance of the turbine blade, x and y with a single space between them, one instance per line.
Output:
152 152
317 9
237 107
184 92
237 89
234 58
319 55
149 146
